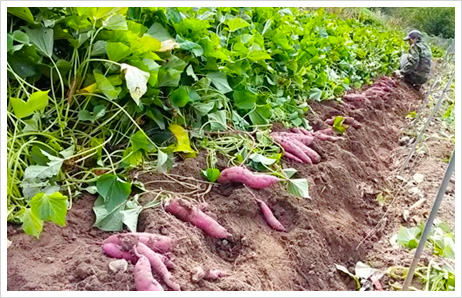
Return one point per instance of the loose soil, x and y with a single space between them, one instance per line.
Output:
321 232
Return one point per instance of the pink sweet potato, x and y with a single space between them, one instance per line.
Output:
292 157
259 181
313 155
270 218
329 121
291 147
324 137
186 212
156 242
144 281
243 175
232 174
327 131
301 130
354 97
115 251
390 82
305 139
157 265
352 121
168 263
374 92
384 86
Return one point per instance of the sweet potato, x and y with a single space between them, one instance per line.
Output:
157 265
313 155
115 251
325 137
354 97
292 148
156 242
352 105
232 174
301 130
374 92
384 86
186 212
259 181
269 217
305 139
327 131
243 175
144 281
390 82
292 157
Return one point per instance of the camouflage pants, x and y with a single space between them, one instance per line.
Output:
411 78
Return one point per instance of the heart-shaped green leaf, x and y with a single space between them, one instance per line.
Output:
113 190
37 101
298 187
51 207
211 174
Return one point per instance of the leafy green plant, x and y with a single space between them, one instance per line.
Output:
439 274
44 207
96 91
441 239
433 277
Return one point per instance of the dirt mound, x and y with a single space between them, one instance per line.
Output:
321 232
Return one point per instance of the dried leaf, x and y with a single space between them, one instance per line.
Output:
168 45
137 81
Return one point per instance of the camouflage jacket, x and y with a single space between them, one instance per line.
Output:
418 64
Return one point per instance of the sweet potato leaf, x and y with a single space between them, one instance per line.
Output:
137 81
211 174
130 215
37 101
244 100
117 51
31 224
338 125
116 22
105 86
51 207
113 190
236 24
220 81
42 38
182 139
22 13
139 141
298 187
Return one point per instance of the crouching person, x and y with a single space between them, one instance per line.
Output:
416 65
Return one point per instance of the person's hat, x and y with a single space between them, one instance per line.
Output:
414 34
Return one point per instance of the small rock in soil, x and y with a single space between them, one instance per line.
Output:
118 265
418 178
405 214
49 260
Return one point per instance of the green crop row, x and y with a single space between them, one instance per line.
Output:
95 91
